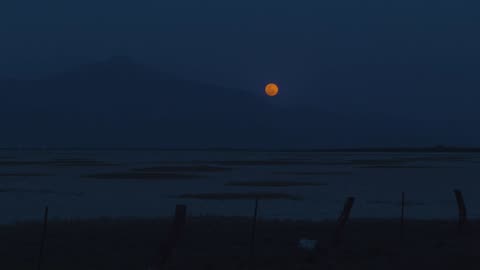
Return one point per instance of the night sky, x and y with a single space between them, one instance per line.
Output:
351 73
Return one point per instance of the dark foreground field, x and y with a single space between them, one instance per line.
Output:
223 243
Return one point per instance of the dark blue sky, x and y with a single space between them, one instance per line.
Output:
412 59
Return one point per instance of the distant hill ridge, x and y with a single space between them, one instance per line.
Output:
121 103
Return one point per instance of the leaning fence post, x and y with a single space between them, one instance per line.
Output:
402 217
44 239
252 236
462 210
173 237
342 220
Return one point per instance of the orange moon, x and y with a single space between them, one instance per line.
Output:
271 89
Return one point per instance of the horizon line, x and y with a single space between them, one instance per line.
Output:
254 149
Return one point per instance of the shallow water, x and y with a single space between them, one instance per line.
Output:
70 183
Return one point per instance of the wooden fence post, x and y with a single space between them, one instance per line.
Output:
462 210
44 239
173 237
342 220
402 217
252 237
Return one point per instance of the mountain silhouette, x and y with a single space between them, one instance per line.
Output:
120 103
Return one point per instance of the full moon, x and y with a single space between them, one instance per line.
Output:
271 89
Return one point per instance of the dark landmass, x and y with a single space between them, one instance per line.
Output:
191 168
170 112
312 173
41 191
143 176
273 183
278 162
24 174
400 160
258 162
405 167
223 243
57 162
163 173
406 150
267 150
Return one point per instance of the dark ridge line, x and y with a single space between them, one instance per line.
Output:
438 149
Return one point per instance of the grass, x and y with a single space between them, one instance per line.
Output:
273 183
223 243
